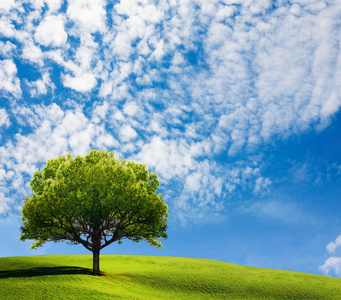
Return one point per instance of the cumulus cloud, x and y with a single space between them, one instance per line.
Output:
168 158
130 108
332 246
4 120
99 112
89 15
9 82
127 133
41 86
6 27
51 32
6 49
6 5
54 5
83 83
33 53
332 265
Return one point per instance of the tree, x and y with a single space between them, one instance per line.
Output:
94 200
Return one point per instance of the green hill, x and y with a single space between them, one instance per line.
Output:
152 277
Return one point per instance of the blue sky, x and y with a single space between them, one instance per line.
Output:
234 104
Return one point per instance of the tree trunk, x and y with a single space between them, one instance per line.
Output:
95 267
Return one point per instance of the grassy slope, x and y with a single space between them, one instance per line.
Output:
150 277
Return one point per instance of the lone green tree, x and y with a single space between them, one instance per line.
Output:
94 200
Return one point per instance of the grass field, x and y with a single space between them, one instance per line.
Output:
152 277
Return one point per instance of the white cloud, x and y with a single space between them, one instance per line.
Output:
41 86
296 9
105 141
262 185
333 246
51 32
80 141
6 27
99 112
8 80
54 5
130 108
55 133
224 12
159 49
204 195
118 116
37 4
193 181
168 158
332 265
4 120
89 15
84 55
6 48
33 53
145 10
127 133
83 83
203 186
6 5
5 204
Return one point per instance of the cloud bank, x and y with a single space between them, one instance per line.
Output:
193 89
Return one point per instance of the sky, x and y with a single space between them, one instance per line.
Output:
234 104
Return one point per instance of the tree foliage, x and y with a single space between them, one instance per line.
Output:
94 200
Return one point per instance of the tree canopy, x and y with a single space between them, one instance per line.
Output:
94 200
